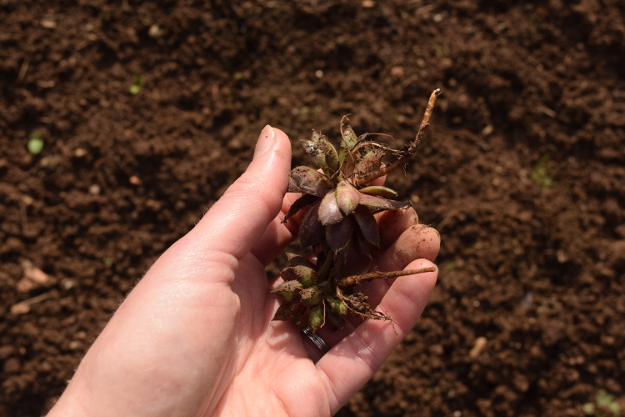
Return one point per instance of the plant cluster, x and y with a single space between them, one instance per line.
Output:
338 225
603 406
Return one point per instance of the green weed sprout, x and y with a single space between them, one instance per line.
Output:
35 143
603 404
541 173
138 81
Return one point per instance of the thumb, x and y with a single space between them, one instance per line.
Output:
241 215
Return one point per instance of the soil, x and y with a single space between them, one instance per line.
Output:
522 172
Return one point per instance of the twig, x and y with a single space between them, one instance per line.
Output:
24 218
23 70
357 279
23 307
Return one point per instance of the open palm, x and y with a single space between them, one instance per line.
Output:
195 337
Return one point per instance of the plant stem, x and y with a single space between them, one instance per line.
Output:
410 149
357 279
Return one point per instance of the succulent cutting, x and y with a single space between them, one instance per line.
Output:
338 225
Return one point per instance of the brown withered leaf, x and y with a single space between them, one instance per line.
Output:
307 180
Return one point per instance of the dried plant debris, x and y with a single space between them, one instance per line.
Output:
338 225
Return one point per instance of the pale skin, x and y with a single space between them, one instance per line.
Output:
195 336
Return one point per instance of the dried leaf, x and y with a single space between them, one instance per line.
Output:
309 181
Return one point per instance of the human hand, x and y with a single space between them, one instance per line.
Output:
195 336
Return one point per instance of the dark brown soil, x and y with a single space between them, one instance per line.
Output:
523 173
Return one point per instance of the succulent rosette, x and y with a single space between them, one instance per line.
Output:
339 205
340 215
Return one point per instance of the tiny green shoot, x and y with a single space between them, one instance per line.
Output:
439 49
541 173
35 143
450 266
604 402
107 261
138 81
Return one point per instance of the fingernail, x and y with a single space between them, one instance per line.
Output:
265 141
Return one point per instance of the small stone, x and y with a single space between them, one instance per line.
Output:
80 152
478 347
45 367
37 276
20 308
48 23
155 31
397 71
94 189
134 180
25 285
235 144
45 84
